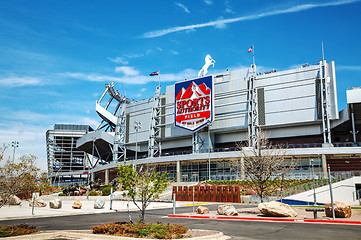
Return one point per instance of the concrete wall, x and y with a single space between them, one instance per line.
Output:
342 192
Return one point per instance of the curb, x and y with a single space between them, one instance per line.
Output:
87 236
269 219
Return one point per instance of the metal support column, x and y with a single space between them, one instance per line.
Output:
354 132
178 172
252 109
324 165
119 149
154 144
197 142
326 126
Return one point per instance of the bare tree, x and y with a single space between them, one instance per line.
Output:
143 185
18 178
262 164
286 168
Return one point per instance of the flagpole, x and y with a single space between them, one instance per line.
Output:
323 52
254 62
159 78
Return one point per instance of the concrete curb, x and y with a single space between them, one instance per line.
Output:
88 236
269 219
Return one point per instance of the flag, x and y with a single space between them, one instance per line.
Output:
154 73
250 49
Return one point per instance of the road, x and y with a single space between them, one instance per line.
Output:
235 229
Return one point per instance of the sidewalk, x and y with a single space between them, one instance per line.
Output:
24 211
253 214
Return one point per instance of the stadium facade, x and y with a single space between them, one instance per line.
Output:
191 131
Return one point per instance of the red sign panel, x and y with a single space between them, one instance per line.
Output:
194 103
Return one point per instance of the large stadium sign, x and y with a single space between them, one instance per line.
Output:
194 103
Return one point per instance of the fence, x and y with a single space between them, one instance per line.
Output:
208 193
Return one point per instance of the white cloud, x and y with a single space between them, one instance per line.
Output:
228 7
182 7
143 89
88 121
136 79
174 52
349 68
297 8
128 71
22 81
208 2
118 60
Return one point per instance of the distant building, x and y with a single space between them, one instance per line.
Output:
66 163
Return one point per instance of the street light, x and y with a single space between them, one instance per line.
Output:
137 126
14 144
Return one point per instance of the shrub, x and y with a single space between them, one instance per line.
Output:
106 191
157 230
21 229
93 193
61 194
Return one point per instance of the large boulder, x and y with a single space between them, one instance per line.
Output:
251 192
276 209
38 203
342 210
99 203
202 210
227 209
77 204
56 204
14 200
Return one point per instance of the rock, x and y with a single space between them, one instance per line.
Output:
14 200
276 209
38 203
77 204
56 204
202 210
251 192
227 209
99 203
342 210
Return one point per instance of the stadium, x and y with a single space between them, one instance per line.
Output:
192 129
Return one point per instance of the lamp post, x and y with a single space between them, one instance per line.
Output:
137 126
14 144
313 183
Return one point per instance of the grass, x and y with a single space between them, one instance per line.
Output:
145 230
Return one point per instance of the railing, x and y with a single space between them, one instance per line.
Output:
232 149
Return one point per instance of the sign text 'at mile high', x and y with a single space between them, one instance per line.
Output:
194 103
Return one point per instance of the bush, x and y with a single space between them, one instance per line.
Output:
21 229
106 191
61 194
157 230
93 193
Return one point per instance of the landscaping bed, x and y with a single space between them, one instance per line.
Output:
142 230
17 230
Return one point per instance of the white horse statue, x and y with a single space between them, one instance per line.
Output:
209 61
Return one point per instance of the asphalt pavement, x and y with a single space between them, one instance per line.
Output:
237 229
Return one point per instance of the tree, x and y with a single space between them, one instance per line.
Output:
263 164
18 178
144 185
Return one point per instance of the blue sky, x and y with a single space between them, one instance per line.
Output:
56 56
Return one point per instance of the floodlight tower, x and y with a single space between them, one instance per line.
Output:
14 144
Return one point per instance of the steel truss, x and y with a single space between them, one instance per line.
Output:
154 144
324 82
253 126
